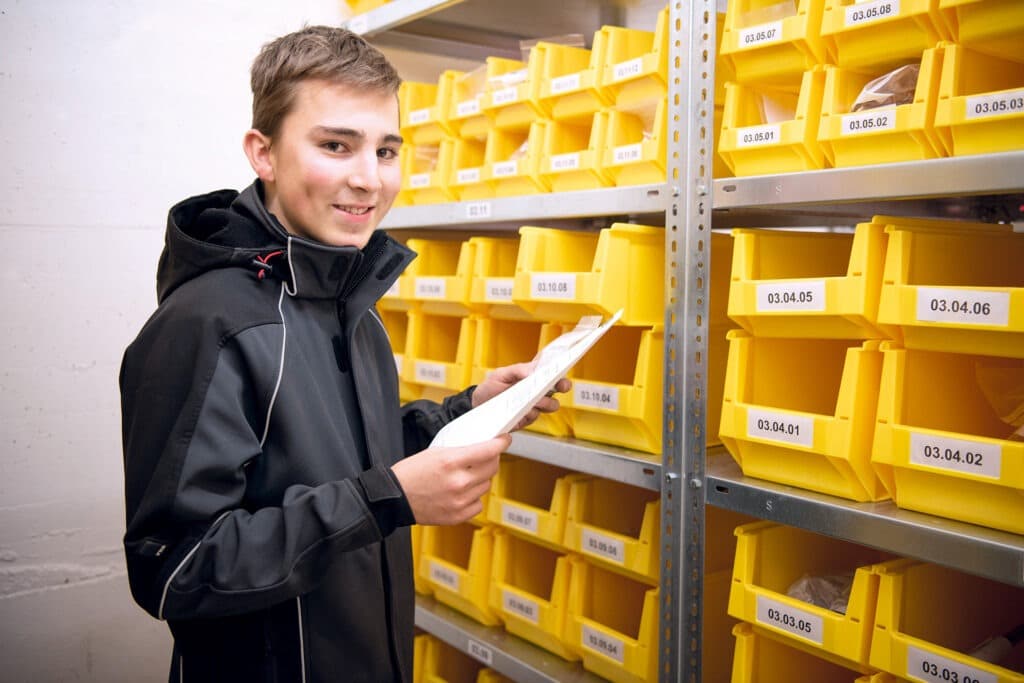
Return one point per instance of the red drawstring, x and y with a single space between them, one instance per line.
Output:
265 261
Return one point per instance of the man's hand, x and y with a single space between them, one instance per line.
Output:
444 485
502 378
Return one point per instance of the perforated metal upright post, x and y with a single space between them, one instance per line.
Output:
687 284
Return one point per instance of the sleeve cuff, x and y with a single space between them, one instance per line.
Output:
386 500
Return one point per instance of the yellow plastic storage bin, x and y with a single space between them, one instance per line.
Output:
513 160
955 287
613 624
636 64
530 592
880 33
991 26
423 110
771 558
466 117
562 275
396 323
438 280
615 525
438 353
570 78
494 270
981 101
512 93
772 43
802 412
362 6
635 149
616 397
944 440
573 157
809 284
501 342
904 132
455 561
769 130
759 658
426 171
419 583
442 663
469 162
531 498
930 617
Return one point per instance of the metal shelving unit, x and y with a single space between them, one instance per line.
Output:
988 187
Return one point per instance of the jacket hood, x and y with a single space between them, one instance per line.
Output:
226 229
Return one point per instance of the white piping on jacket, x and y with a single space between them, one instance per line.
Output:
280 366
167 586
302 640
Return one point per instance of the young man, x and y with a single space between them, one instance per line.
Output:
270 473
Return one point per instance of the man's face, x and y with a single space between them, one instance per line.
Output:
334 163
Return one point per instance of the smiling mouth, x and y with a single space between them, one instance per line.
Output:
354 210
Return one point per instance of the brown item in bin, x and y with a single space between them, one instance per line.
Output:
831 592
894 88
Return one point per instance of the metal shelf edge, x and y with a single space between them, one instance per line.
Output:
966 547
620 464
394 14
495 647
988 174
612 201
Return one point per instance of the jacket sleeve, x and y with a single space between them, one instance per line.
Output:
195 546
422 420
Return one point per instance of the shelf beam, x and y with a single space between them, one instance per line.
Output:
620 464
973 549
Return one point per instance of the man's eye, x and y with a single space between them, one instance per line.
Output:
387 153
333 146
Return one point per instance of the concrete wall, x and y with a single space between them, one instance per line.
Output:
109 112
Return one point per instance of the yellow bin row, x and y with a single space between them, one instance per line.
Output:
770 44
888 620
435 661
931 284
964 102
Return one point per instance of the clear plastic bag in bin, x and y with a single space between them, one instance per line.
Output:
1003 387
891 89
831 591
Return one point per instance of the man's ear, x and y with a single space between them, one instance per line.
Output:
257 148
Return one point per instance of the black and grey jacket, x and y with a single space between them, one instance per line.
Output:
260 420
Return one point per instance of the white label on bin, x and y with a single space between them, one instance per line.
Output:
517 604
399 360
602 643
468 107
468 175
503 169
800 623
791 296
434 373
430 287
958 455
866 12
393 290
480 652
869 122
359 24
595 396
933 668
565 162
791 429
628 69
444 576
604 546
504 96
553 285
419 116
755 136
1008 102
513 515
479 210
498 289
761 34
419 180
626 153
565 83
963 306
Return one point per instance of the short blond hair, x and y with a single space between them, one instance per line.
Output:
325 53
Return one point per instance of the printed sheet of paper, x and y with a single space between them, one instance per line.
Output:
500 414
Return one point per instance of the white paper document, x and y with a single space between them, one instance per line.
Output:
500 414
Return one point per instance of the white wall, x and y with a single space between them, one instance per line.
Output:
109 112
